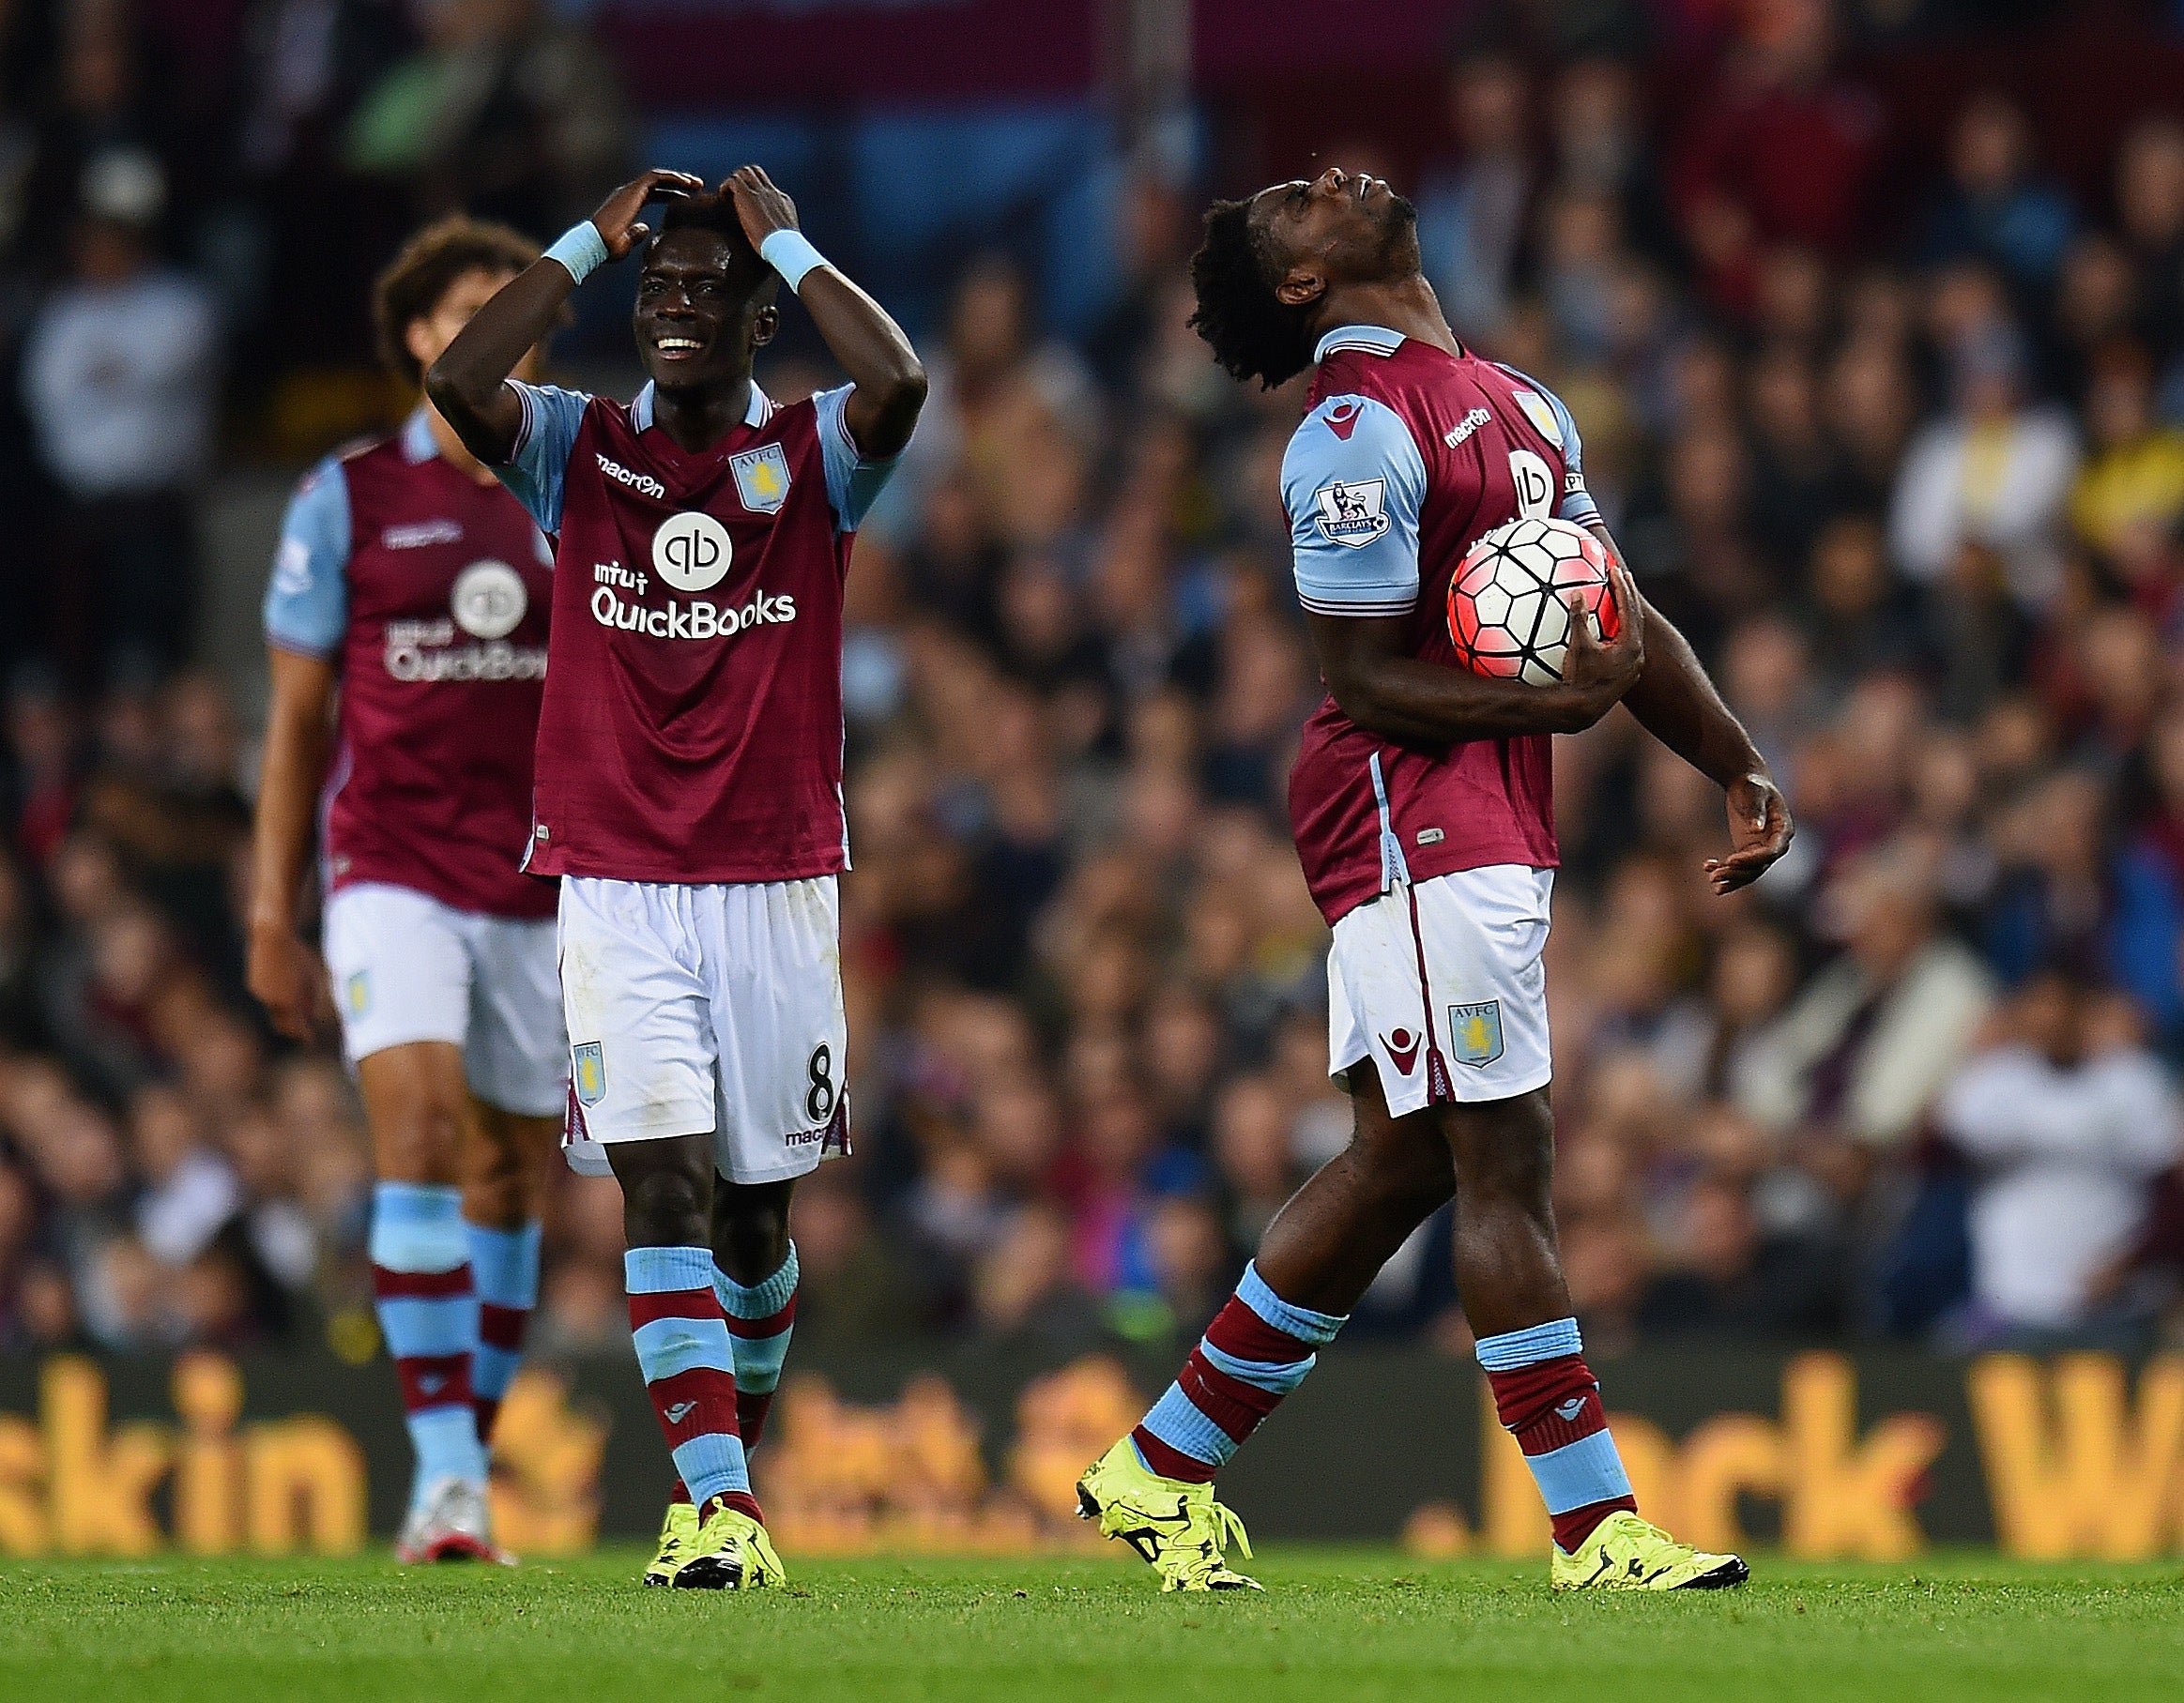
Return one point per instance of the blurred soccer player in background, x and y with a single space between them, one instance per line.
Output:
410 581
1422 807
690 776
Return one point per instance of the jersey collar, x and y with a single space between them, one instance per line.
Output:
418 444
1374 340
761 409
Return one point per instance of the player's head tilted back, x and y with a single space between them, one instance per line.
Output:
1271 263
705 300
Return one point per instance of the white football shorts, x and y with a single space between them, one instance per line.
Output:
407 968
1450 967
706 1010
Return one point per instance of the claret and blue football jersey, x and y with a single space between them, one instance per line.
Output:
692 728
1408 456
429 592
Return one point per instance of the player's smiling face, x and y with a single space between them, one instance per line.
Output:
1340 227
700 313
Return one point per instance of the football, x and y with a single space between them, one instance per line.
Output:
1508 605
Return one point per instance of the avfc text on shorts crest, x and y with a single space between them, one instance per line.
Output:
1474 1033
587 1071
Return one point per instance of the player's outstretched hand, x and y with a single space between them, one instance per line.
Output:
287 978
1759 831
616 218
760 204
1598 673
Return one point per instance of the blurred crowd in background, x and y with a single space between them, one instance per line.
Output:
1907 466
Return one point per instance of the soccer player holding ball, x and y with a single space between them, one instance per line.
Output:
411 579
689 789
1421 804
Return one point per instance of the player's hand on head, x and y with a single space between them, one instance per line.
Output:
288 979
617 219
1759 831
760 204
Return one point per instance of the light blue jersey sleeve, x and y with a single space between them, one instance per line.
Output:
307 599
536 474
853 483
1353 483
1577 504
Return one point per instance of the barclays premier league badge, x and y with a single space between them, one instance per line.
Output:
762 479
1353 511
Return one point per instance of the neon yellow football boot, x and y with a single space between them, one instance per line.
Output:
731 1552
677 1541
1178 1528
1625 1553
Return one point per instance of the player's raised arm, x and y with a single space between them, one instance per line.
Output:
889 380
468 383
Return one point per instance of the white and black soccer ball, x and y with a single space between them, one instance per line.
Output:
1508 605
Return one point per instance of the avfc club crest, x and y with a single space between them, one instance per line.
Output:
1353 511
762 479
1474 1033
587 1072
1541 414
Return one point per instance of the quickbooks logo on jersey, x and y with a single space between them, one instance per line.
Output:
691 550
699 618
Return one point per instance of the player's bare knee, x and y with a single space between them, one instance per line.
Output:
667 1191
419 1141
496 1196
749 1228
1504 1151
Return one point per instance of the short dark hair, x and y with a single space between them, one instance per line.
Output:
424 271
715 212
1251 331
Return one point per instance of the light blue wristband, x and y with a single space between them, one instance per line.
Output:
792 254
581 249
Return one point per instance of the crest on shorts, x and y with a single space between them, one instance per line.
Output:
1474 1033
762 479
357 991
587 1072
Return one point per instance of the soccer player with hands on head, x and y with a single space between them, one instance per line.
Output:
415 589
1421 802
689 775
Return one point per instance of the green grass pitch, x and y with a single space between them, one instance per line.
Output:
1334 1625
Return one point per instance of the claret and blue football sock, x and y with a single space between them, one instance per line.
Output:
420 1284
504 1266
684 1351
761 1318
1256 1351
1548 1400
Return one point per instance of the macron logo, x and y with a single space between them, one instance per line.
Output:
1466 426
1342 418
644 483
1568 1411
680 1411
